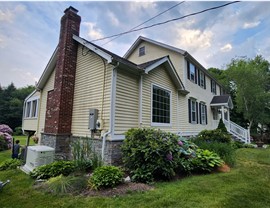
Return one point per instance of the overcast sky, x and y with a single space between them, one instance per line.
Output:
29 31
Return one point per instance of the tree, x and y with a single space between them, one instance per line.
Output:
11 104
249 78
223 78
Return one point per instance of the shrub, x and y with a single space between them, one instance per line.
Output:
150 154
18 131
222 126
225 150
10 164
7 138
214 135
206 161
3 144
66 184
5 129
185 166
106 176
84 154
53 169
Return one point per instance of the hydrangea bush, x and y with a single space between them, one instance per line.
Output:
6 132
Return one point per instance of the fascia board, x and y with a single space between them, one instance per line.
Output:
96 50
48 70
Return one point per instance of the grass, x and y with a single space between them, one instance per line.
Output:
247 185
7 154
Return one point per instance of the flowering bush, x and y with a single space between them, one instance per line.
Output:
6 132
5 129
150 154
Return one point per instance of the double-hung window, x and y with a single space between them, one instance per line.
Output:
31 108
161 105
203 114
213 87
193 109
192 72
202 79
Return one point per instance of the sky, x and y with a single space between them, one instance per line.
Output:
29 31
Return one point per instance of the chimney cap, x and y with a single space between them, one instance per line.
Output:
72 9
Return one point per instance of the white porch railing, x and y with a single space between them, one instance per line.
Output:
238 131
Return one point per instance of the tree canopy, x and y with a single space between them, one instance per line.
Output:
249 78
11 104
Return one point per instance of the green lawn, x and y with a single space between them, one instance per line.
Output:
247 185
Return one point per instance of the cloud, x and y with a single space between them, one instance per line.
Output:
113 19
226 48
193 39
248 25
8 15
93 31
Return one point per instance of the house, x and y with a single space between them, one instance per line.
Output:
87 91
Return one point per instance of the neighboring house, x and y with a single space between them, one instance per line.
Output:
86 90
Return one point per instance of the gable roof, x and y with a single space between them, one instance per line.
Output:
48 70
184 53
166 62
222 100
109 56
141 38
143 68
112 58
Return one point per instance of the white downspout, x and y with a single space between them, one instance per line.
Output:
111 127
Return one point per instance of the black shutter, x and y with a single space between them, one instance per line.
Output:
200 112
196 75
204 81
189 110
188 70
211 85
199 77
205 114
197 112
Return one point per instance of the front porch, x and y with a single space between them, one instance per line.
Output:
222 104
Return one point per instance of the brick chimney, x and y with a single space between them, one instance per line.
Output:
60 100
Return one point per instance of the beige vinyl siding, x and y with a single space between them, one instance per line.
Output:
31 123
161 78
43 103
126 102
201 95
153 52
88 92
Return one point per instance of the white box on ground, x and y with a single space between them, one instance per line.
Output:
37 156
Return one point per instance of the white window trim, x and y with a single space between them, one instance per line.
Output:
196 114
202 79
203 107
161 124
214 86
192 80
31 100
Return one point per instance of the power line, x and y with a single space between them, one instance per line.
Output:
146 21
165 22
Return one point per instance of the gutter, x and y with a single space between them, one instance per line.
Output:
113 90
